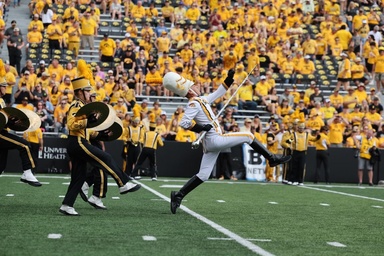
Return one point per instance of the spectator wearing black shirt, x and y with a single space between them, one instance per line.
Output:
377 104
264 59
128 60
317 96
22 93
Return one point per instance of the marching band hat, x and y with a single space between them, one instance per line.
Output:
176 83
81 83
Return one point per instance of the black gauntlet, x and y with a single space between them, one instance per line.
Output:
199 128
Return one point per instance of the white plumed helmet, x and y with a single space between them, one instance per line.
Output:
176 83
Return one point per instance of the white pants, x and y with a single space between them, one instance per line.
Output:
214 144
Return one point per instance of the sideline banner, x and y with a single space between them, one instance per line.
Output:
254 164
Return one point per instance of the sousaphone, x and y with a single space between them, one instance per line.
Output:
22 120
106 115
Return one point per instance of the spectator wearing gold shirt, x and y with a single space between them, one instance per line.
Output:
163 43
107 49
378 68
358 71
193 13
138 11
153 80
246 97
36 22
344 74
88 31
33 37
168 12
345 37
350 99
54 33
373 117
74 33
328 110
337 126
309 46
184 135
336 100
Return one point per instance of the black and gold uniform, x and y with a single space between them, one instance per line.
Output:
82 152
299 146
10 141
134 138
151 140
286 145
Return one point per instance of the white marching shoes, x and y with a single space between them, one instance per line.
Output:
84 192
68 210
96 202
29 178
129 187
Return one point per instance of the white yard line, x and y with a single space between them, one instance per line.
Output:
336 244
343 193
244 242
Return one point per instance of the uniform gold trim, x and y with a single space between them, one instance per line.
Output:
102 183
100 162
211 118
22 145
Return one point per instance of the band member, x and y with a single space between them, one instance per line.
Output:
81 151
96 177
286 144
199 117
152 139
299 145
10 141
134 137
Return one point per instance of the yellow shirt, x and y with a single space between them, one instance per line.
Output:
336 132
51 28
328 112
107 47
138 11
357 71
153 79
192 14
322 143
366 144
184 135
88 26
336 99
344 69
10 78
34 37
379 64
34 136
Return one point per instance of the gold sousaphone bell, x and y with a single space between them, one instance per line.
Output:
107 119
23 120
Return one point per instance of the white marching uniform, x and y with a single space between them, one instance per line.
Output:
199 111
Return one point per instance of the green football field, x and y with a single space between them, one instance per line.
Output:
218 218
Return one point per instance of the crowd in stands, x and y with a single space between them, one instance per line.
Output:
323 54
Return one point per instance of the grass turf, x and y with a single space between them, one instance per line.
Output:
296 224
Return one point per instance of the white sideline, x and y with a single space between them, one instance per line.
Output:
342 193
244 242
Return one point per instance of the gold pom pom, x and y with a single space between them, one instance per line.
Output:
85 71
